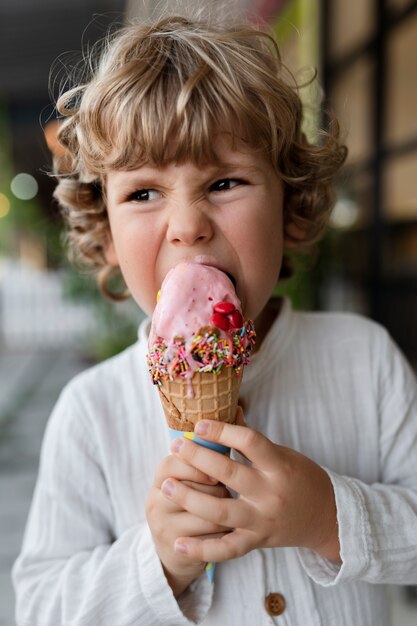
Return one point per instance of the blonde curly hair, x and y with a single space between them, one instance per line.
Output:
186 79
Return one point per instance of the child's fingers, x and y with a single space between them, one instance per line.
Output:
240 418
226 512
257 448
189 525
170 521
221 467
229 546
173 466
218 491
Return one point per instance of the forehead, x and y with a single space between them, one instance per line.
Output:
198 142
228 154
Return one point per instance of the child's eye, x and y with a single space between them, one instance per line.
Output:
143 195
224 184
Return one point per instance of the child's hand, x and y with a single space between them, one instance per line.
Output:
285 498
168 520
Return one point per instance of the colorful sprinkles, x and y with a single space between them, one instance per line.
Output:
208 351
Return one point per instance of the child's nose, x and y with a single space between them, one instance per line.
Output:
189 224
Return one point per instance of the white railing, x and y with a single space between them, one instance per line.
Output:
34 311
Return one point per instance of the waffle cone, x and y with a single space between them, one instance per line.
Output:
205 396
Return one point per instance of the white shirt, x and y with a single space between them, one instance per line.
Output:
332 386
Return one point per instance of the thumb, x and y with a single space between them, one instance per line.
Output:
240 418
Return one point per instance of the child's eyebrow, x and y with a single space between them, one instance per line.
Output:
241 167
128 178
146 175
149 175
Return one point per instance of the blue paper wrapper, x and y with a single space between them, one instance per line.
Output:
201 442
174 434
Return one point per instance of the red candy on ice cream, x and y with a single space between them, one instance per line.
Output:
236 319
220 321
225 308
226 317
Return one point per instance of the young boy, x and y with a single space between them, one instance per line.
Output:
185 144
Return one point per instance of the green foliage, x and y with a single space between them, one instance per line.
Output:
116 322
300 288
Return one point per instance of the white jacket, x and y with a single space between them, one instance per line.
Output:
332 386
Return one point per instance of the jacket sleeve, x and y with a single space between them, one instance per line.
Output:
72 569
378 522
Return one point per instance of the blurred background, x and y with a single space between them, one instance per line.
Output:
53 323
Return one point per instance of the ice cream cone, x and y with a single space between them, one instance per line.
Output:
199 344
206 396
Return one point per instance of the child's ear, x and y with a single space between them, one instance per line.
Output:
293 235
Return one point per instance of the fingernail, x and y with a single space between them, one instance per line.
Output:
176 444
167 487
201 428
180 547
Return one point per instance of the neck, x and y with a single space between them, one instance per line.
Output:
265 320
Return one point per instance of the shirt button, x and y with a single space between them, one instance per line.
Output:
275 604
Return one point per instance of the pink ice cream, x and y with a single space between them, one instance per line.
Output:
187 297
197 324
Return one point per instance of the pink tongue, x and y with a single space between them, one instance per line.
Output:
189 294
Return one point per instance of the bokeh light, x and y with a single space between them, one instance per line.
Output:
4 205
24 186
345 214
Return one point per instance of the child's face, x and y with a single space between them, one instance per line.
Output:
227 215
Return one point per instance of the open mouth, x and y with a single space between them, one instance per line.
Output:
212 262
231 278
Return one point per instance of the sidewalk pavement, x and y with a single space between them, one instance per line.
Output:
30 382
18 374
